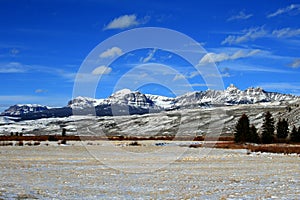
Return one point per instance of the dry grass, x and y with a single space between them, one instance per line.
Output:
220 142
118 138
271 148
275 148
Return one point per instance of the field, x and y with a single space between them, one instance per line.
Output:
149 170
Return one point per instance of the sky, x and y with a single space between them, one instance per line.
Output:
50 48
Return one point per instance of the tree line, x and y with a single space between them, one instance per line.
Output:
269 133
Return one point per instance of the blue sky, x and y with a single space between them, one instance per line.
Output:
43 44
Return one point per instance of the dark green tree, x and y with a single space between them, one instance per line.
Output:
282 129
253 135
242 129
295 135
268 129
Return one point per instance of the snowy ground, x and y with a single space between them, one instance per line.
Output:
113 170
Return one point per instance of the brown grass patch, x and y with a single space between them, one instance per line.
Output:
275 148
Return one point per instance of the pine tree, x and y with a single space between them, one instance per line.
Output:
253 135
295 135
282 129
242 129
268 128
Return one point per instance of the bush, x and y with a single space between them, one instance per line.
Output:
135 143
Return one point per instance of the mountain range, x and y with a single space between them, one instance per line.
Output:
127 102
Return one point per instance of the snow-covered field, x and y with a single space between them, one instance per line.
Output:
114 170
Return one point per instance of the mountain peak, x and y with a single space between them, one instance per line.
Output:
253 89
232 87
122 92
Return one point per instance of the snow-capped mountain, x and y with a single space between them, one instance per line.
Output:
231 96
20 109
126 102
124 97
132 98
84 102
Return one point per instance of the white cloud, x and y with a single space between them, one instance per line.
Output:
256 68
286 32
225 75
289 9
39 91
253 52
125 21
213 57
295 63
14 52
101 70
240 16
179 77
195 44
249 35
259 32
237 55
186 76
112 52
13 67
193 74
150 56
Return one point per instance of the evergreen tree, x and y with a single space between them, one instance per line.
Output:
282 129
268 128
242 129
253 135
295 135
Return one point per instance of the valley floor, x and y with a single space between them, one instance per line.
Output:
116 170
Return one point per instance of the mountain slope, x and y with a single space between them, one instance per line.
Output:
183 122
